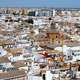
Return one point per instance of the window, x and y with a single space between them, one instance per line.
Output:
52 39
56 36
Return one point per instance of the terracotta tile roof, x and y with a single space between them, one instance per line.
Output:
19 64
53 51
15 51
6 42
12 74
4 60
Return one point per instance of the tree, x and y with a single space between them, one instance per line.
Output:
50 18
30 21
52 25
31 13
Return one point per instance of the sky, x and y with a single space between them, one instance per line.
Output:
40 3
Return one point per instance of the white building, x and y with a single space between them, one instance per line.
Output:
2 52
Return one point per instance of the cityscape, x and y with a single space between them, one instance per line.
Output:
39 43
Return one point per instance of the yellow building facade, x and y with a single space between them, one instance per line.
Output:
56 38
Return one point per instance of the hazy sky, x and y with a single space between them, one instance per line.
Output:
40 3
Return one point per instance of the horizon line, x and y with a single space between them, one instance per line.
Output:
41 7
